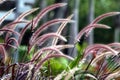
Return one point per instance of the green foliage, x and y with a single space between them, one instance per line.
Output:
23 55
80 49
56 65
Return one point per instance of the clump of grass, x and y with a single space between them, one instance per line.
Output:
103 64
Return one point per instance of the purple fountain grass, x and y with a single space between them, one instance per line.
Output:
33 67
60 29
52 48
7 26
40 15
103 16
9 30
114 45
108 68
88 29
6 45
46 25
10 24
98 47
12 40
40 52
7 14
48 35
40 40
100 57
13 26
35 21
21 17
44 11
22 32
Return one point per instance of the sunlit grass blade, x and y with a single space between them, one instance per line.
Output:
60 29
44 11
